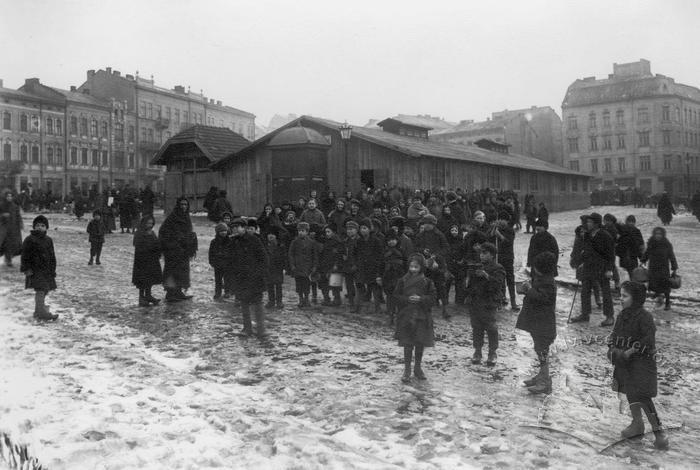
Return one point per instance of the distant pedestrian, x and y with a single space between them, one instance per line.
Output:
146 271
96 231
542 241
415 296
39 266
179 243
221 259
10 228
630 245
665 210
659 254
632 351
538 317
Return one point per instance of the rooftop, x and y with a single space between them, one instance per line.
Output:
214 142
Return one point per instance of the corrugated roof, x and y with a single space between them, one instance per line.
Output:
589 92
214 142
420 148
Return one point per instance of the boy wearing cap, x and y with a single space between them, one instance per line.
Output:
39 266
303 261
542 241
96 236
221 258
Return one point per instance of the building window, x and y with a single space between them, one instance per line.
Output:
103 132
143 134
594 165
84 156
49 126
167 135
666 137
573 144
149 106
23 153
143 109
49 156
35 123
593 146
620 117
7 151
678 114
24 123
95 158
7 120
574 165
59 127
119 132
168 112
607 165
93 128
150 135
185 117
159 111
666 113
119 159
59 156
73 125
131 159
592 121
667 162
74 155
35 154
83 127
515 182
643 115
177 116
644 139
607 142
131 133
105 158
645 163
574 184
606 118
621 166
562 183
534 183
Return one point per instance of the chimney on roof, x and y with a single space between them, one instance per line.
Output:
129 77
117 73
179 89
211 100
72 88
90 73
633 69
218 102
109 70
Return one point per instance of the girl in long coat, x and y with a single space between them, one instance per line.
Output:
39 266
179 243
146 272
10 228
415 296
632 350
659 255
665 209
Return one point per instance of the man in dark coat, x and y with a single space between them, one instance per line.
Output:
10 228
209 201
630 245
148 199
597 261
542 241
179 244
249 271
221 205
695 204
504 238
665 209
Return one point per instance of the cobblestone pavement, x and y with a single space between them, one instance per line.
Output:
112 385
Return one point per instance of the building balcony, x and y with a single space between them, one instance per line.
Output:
162 123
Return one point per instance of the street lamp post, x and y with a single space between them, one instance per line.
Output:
688 159
345 134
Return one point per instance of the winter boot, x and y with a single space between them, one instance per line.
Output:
97 261
491 359
301 301
476 358
581 318
533 380
259 320
543 384
636 427
41 311
247 323
90 262
668 302
149 296
181 295
609 321
142 299
417 370
661 438
407 353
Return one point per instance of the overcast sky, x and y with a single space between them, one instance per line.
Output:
352 60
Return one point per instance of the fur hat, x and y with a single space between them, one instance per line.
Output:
366 222
221 227
40 219
428 219
542 223
252 222
596 218
355 201
545 262
238 222
303 226
352 224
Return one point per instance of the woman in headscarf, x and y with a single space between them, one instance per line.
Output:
659 254
179 244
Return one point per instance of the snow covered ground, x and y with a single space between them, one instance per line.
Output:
114 386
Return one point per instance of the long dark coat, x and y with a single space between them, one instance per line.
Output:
10 228
221 253
178 243
250 268
148 199
660 254
96 231
432 240
414 322
539 305
303 256
146 271
38 256
394 268
368 259
665 209
541 242
277 259
597 255
636 376
630 246
332 255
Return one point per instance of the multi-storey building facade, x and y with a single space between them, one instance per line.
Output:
534 131
634 129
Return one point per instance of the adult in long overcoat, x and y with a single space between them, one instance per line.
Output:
630 245
10 228
665 209
148 199
249 268
659 254
542 241
179 243
147 250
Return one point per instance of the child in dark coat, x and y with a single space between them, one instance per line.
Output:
96 231
394 269
39 266
632 350
277 256
221 258
147 271
538 317
303 261
414 295
331 261
485 295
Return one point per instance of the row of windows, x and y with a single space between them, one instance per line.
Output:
30 123
29 153
146 110
644 164
690 117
